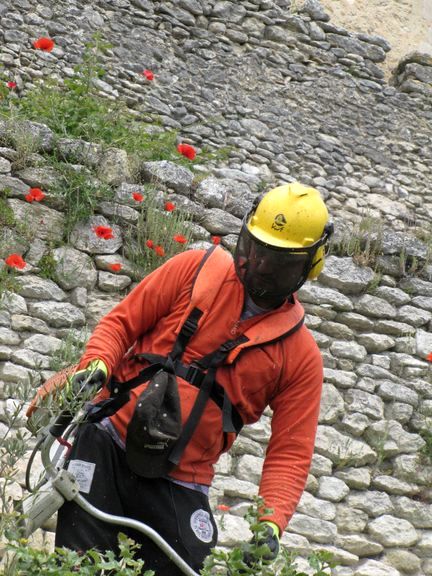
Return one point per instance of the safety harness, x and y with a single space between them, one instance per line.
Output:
200 373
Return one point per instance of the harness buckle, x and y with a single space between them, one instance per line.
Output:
194 375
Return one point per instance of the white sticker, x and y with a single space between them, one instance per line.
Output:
83 472
201 525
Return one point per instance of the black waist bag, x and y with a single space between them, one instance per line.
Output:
155 427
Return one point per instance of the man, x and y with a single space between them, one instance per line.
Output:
222 338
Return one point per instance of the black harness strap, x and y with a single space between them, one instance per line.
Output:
195 375
204 394
187 331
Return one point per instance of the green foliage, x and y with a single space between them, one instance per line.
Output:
80 192
74 108
426 450
363 243
7 217
13 446
23 559
160 227
28 561
231 562
47 266
8 283
374 283
70 351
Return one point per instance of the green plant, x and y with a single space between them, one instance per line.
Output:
80 192
7 217
363 243
13 446
47 266
22 558
231 562
8 283
25 145
28 561
374 283
426 450
70 351
75 108
151 240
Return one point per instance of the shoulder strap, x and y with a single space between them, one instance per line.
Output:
204 394
206 256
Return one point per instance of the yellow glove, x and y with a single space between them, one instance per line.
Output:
97 369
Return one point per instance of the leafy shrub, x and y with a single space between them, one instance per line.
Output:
74 108
230 563
28 561
156 236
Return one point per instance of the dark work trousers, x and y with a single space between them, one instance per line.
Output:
180 515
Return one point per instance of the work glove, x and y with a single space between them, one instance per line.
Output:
264 545
93 376
70 379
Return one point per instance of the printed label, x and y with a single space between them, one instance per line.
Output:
201 525
83 472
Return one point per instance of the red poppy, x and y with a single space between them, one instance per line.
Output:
11 84
104 232
186 150
115 267
180 238
34 195
148 74
169 206
137 196
223 507
150 244
44 43
216 240
160 250
429 357
15 261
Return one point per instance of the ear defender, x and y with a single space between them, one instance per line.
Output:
317 263
319 258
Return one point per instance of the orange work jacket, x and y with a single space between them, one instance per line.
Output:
285 374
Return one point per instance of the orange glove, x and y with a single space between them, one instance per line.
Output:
57 382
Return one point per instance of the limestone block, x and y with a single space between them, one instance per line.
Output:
392 531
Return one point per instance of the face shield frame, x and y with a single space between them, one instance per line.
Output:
250 249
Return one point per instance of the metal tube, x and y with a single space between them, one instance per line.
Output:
45 455
141 527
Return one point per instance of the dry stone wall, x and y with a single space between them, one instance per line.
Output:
294 97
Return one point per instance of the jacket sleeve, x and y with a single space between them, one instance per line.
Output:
140 310
294 424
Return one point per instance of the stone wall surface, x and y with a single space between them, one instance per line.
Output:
293 97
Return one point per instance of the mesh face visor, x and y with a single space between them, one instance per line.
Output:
267 270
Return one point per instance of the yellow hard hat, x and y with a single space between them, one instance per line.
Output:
292 216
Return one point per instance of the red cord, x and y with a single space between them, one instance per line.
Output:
64 442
